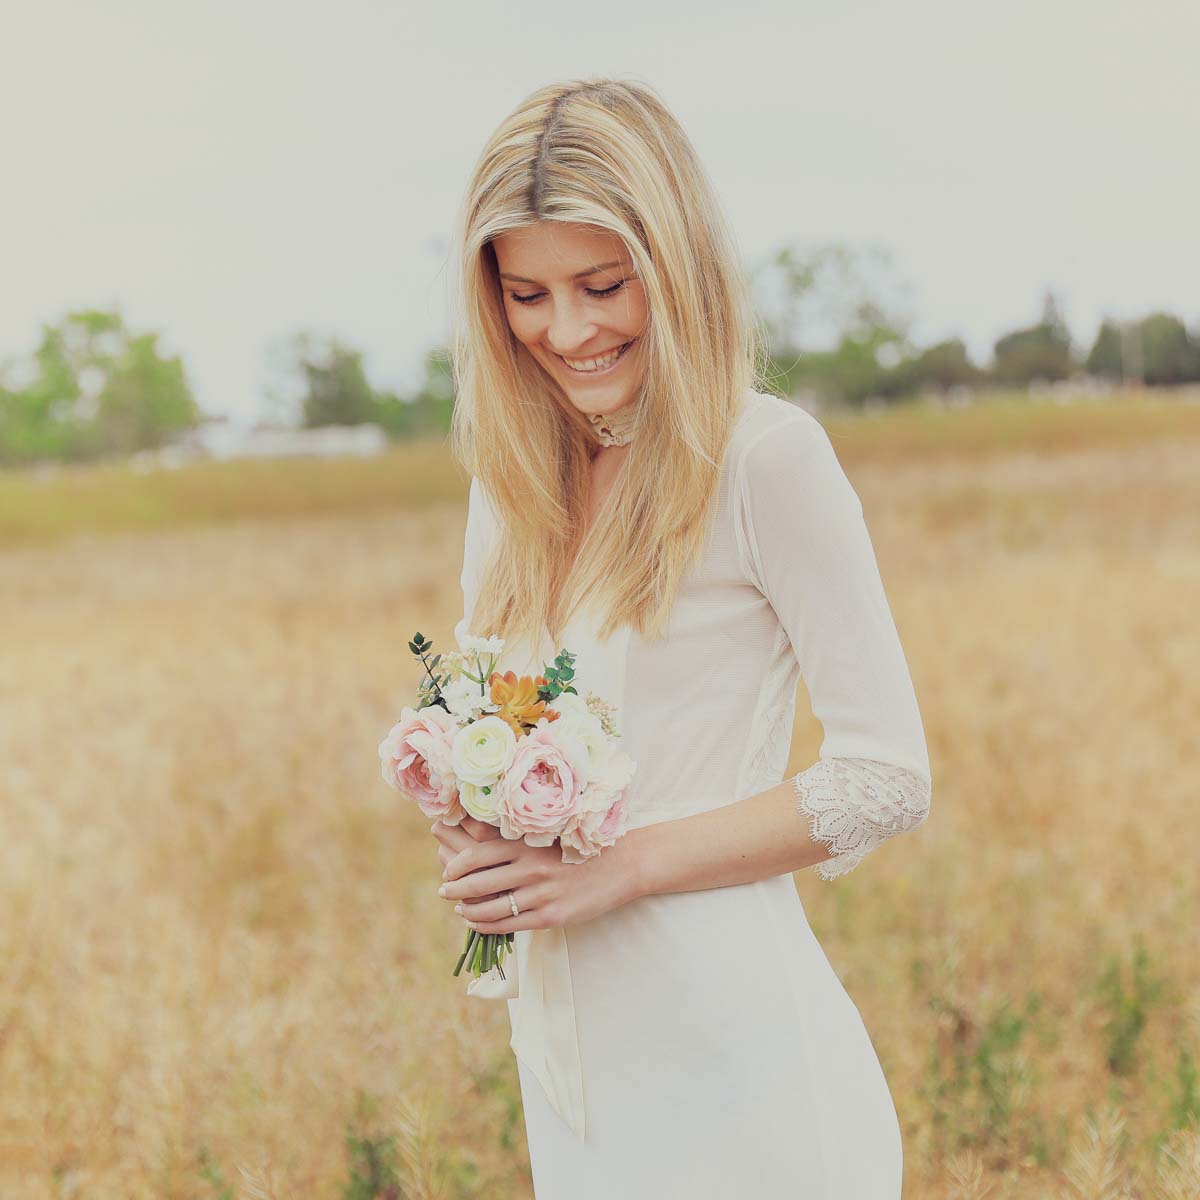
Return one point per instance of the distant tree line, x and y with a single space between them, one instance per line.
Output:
93 389
849 295
834 319
326 384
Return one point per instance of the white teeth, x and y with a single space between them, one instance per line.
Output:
593 364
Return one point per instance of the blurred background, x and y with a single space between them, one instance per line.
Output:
226 504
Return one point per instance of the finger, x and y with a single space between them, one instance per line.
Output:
533 919
490 896
480 830
491 881
477 855
451 835
497 908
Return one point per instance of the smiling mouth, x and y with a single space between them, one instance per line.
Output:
597 370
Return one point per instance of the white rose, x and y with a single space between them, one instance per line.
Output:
578 722
482 751
570 702
613 777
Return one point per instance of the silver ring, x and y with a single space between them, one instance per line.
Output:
512 903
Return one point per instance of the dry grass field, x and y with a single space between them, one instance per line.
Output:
225 966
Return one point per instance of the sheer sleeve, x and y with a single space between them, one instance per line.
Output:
477 542
808 551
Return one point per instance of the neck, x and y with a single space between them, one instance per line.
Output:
615 428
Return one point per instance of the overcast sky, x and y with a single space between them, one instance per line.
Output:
230 172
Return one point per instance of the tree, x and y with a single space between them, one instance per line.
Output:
1042 351
1169 354
833 294
938 367
334 382
94 388
1155 350
428 412
1106 357
808 297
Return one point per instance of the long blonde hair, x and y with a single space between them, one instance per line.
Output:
606 153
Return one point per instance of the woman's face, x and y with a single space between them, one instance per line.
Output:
573 301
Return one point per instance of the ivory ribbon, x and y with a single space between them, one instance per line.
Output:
544 1035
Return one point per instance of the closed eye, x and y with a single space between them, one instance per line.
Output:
608 291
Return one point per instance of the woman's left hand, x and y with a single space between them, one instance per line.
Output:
548 891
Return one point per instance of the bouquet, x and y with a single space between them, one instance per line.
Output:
526 754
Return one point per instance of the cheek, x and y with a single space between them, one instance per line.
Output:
524 325
634 317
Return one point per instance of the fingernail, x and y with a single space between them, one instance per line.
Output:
458 908
442 890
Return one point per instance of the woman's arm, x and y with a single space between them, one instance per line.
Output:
751 839
829 816
804 543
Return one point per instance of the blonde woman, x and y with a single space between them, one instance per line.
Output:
639 498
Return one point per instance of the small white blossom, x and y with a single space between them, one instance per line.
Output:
471 643
465 699
451 664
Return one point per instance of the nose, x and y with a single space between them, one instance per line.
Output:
570 329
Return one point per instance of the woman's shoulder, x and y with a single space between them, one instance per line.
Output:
773 431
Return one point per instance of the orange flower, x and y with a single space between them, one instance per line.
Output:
518 700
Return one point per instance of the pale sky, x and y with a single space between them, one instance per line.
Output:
229 173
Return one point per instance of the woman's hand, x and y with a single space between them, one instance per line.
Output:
453 838
485 867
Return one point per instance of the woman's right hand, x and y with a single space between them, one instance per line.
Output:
453 838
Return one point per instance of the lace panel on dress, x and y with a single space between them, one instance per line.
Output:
856 804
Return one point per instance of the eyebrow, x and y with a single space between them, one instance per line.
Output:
577 275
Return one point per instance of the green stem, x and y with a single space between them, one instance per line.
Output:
472 934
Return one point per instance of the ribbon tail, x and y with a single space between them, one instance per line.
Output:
489 985
544 1034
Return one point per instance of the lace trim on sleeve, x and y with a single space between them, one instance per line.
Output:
855 804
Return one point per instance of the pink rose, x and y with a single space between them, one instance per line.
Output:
540 790
602 811
416 759
590 831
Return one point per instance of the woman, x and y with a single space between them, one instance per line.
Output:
638 498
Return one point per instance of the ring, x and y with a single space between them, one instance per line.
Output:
512 903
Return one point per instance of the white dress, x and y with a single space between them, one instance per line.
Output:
699 1044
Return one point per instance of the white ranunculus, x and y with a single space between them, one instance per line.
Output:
478 803
482 751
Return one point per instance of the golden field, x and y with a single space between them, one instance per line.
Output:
225 965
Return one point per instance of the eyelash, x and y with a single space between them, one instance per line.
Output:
602 293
